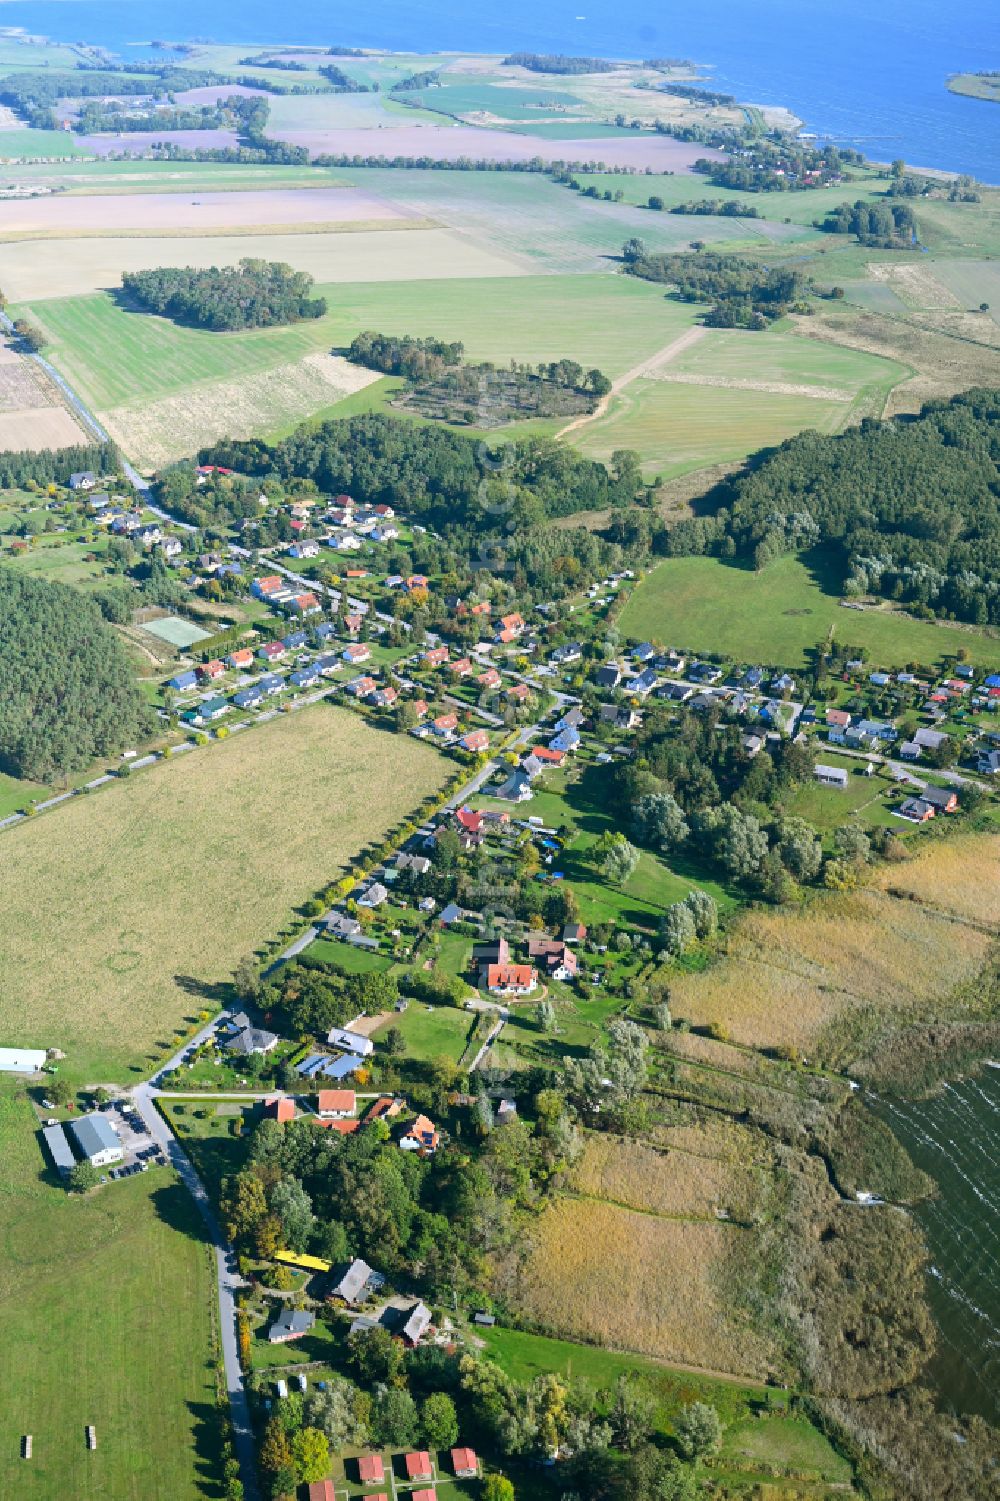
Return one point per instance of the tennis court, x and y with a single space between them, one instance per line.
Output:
175 631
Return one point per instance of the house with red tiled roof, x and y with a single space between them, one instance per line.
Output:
436 657
418 1465
489 679
209 671
510 979
464 1463
422 1136
336 1103
358 651
519 692
241 658
371 1469
280 1109
475 741
461 668
546 753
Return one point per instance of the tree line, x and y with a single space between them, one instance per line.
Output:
557 62
251 294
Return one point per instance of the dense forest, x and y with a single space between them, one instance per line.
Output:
252 294
743 293
555 62
912 506
67 693
417 359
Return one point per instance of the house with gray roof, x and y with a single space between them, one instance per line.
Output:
356 1283
59 1150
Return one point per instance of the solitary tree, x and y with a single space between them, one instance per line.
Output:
699 1430
438 1420
85 1175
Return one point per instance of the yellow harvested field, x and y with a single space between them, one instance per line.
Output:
34 270
584 1253
961 876
169 213
788 975
660 1182
154 433
38 428
31 411
124 911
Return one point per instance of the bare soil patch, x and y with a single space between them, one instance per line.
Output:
448 143
172 212
38 428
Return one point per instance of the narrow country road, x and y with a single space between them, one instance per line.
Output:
229 1282
638 372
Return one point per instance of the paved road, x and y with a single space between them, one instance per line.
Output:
229 1282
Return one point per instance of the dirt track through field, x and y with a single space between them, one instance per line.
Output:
775 387
638 372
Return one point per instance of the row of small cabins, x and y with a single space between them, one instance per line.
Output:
419 1468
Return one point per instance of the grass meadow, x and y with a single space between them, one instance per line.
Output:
107 1305
126 911
431 1031
778 615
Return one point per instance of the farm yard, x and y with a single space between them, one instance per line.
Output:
247 830
104 1300
780 614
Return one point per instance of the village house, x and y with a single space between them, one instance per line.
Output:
306 548
241 659
336 1104
280 1108
371 1470
422 1136
436 657
418 1466
209 671
417 1323
291 1323
475 741
464 1463
356 653
509 979
357 1283
351 1042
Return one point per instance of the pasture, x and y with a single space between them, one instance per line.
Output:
677 427
534 220
841 968
104 1300
126 912
431 1031
675 1270
779 615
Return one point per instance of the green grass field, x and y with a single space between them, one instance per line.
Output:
106 1304
115 357
778 615
798 208
677 428
196 862
526 215
431 1031
37 143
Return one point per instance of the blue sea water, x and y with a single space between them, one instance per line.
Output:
869 73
